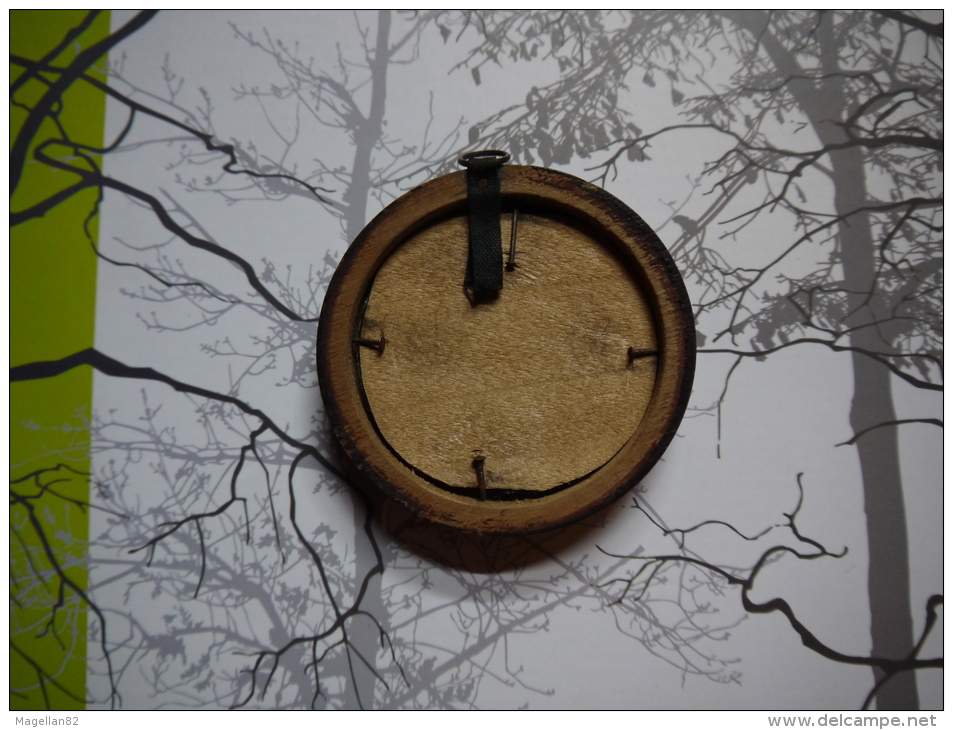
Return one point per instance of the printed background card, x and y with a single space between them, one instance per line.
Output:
182 188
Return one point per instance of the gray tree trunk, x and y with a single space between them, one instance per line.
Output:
888 577
363 634
888 573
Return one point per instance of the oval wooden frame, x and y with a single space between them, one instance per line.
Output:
371 460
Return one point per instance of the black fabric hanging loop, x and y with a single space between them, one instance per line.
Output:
485 260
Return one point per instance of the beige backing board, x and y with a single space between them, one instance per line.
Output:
538 381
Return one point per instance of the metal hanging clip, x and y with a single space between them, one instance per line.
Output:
485 260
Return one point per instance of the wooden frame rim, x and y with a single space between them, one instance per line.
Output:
338 369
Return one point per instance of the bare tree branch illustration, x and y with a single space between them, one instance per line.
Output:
234 566
830 127
207 507
744 579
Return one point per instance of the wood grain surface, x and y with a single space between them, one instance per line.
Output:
536 380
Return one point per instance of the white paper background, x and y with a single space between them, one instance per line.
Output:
544 634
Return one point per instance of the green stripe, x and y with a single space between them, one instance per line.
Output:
52 312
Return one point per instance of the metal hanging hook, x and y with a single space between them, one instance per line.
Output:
483 159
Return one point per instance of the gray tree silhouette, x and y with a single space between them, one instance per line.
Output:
209 585
231 564
378 662
832 123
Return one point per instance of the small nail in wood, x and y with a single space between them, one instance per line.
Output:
373 344
511 259
481 477
635 354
